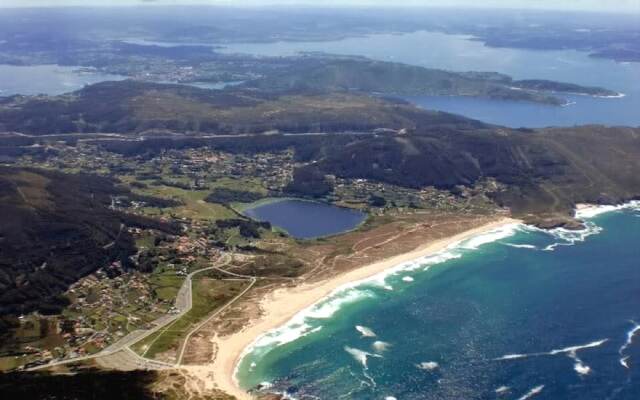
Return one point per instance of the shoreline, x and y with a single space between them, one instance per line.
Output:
281 305
587 210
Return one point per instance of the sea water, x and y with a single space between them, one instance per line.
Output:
515 313
48 79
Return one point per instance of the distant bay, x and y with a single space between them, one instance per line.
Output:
462 53
48 79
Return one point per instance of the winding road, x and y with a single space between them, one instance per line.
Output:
183 302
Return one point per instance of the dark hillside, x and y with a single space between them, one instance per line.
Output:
55 229
544 173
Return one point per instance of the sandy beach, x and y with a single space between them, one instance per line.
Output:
281 305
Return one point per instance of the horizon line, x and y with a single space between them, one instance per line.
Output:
151 5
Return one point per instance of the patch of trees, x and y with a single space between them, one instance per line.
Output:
377 201
248 228
309 181
88 384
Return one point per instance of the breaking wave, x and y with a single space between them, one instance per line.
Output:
428 365
536 390
362 357
502 390
572 352
592 211
491 236
567 237
302 324
305 322
380 347
630 334
521 246
453 251
365 332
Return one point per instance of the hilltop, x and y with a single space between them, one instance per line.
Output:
131 107
335 73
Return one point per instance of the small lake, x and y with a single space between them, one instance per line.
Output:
47 79
307 219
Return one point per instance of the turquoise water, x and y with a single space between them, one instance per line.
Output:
459 53
515 313
307 219
47 79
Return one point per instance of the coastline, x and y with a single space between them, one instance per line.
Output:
281 305
587 210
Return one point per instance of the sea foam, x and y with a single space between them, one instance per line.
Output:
572 352
305 321
365 332
592 211
452 251
491 236
380 347
536 390
568 237
630 334
502 390
360 356
428 365
521 246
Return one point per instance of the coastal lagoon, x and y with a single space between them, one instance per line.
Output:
514 313
47 79
463 53
307 219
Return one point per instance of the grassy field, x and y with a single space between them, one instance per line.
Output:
208 295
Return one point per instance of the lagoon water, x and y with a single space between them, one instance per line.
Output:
47 79
306 219
513 314
461 53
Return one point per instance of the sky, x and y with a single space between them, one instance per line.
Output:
579 5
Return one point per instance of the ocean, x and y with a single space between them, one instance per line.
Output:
515 313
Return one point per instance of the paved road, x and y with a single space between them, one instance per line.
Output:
183 344
183 303
184 298
116 136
